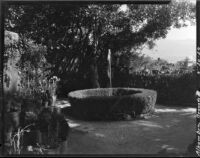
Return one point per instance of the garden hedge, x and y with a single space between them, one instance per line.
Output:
99 103
172 90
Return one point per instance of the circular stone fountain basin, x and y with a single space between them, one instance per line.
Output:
102 102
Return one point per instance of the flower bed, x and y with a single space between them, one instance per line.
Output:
105 102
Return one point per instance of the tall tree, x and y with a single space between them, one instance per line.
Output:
78 36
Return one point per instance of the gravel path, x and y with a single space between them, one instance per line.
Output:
170 130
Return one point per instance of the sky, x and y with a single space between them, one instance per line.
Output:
179 44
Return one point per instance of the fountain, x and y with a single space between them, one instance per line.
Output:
101 103
109 71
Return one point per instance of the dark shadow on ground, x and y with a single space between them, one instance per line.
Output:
169 132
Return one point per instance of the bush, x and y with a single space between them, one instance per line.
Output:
172 89
102 102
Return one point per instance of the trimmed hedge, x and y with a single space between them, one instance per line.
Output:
176 89
102 103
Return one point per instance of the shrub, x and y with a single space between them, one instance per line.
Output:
102 102
172 89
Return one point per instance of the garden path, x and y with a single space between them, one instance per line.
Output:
170 130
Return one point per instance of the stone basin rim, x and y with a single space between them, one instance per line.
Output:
97 103
138 92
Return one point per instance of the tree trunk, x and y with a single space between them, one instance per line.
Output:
94 77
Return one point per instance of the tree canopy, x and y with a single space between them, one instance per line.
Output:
77 37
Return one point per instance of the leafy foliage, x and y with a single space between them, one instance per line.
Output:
95 103
76 34
171 89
